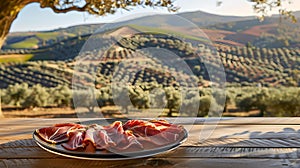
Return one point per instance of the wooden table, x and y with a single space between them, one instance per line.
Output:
235 142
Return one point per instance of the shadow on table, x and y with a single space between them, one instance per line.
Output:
288 137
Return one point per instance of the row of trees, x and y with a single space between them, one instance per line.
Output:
46 73
21 95
272 102
274 66
185 102
148 95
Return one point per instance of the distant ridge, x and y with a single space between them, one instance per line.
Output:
205 19
239 30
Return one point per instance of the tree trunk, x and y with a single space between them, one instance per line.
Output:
2 39
9 11
1 114
170 112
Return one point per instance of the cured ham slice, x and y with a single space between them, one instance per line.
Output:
97 135
142 128
146 128
170 127
131 141
116 132
111 137
75 140
57 133
158 132
167 124
128 142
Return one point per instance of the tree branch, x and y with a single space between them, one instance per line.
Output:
263 7
72 8
102 7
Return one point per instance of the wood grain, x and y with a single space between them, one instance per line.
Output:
232 142
153 162
24 149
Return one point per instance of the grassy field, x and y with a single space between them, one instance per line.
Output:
53 35
15 58
167 31
28 43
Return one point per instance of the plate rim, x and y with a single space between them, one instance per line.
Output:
109 156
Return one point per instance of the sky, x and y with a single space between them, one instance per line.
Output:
34 18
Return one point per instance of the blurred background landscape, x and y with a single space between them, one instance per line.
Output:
261 62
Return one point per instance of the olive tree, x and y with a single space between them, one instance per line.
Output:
174 101
61 96
16 94
38 97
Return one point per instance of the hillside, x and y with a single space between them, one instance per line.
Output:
129 60
37 39
227 30
272 32
252 52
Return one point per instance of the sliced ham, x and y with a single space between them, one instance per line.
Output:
132 140
116 132
141 128
112 137
57 133
144 128
129 142
131 123
97 135
76 138
157 132
161 122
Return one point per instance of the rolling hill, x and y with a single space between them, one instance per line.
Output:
227 30
251 52
36 39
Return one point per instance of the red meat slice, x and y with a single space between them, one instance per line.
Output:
132 141
57 133
131 123
144 128
161 122
99 137
123 139
157 132
111 137
75 141
129 142
116 132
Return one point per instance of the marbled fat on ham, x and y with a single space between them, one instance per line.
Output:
158 132
75 141
57 133
97 135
